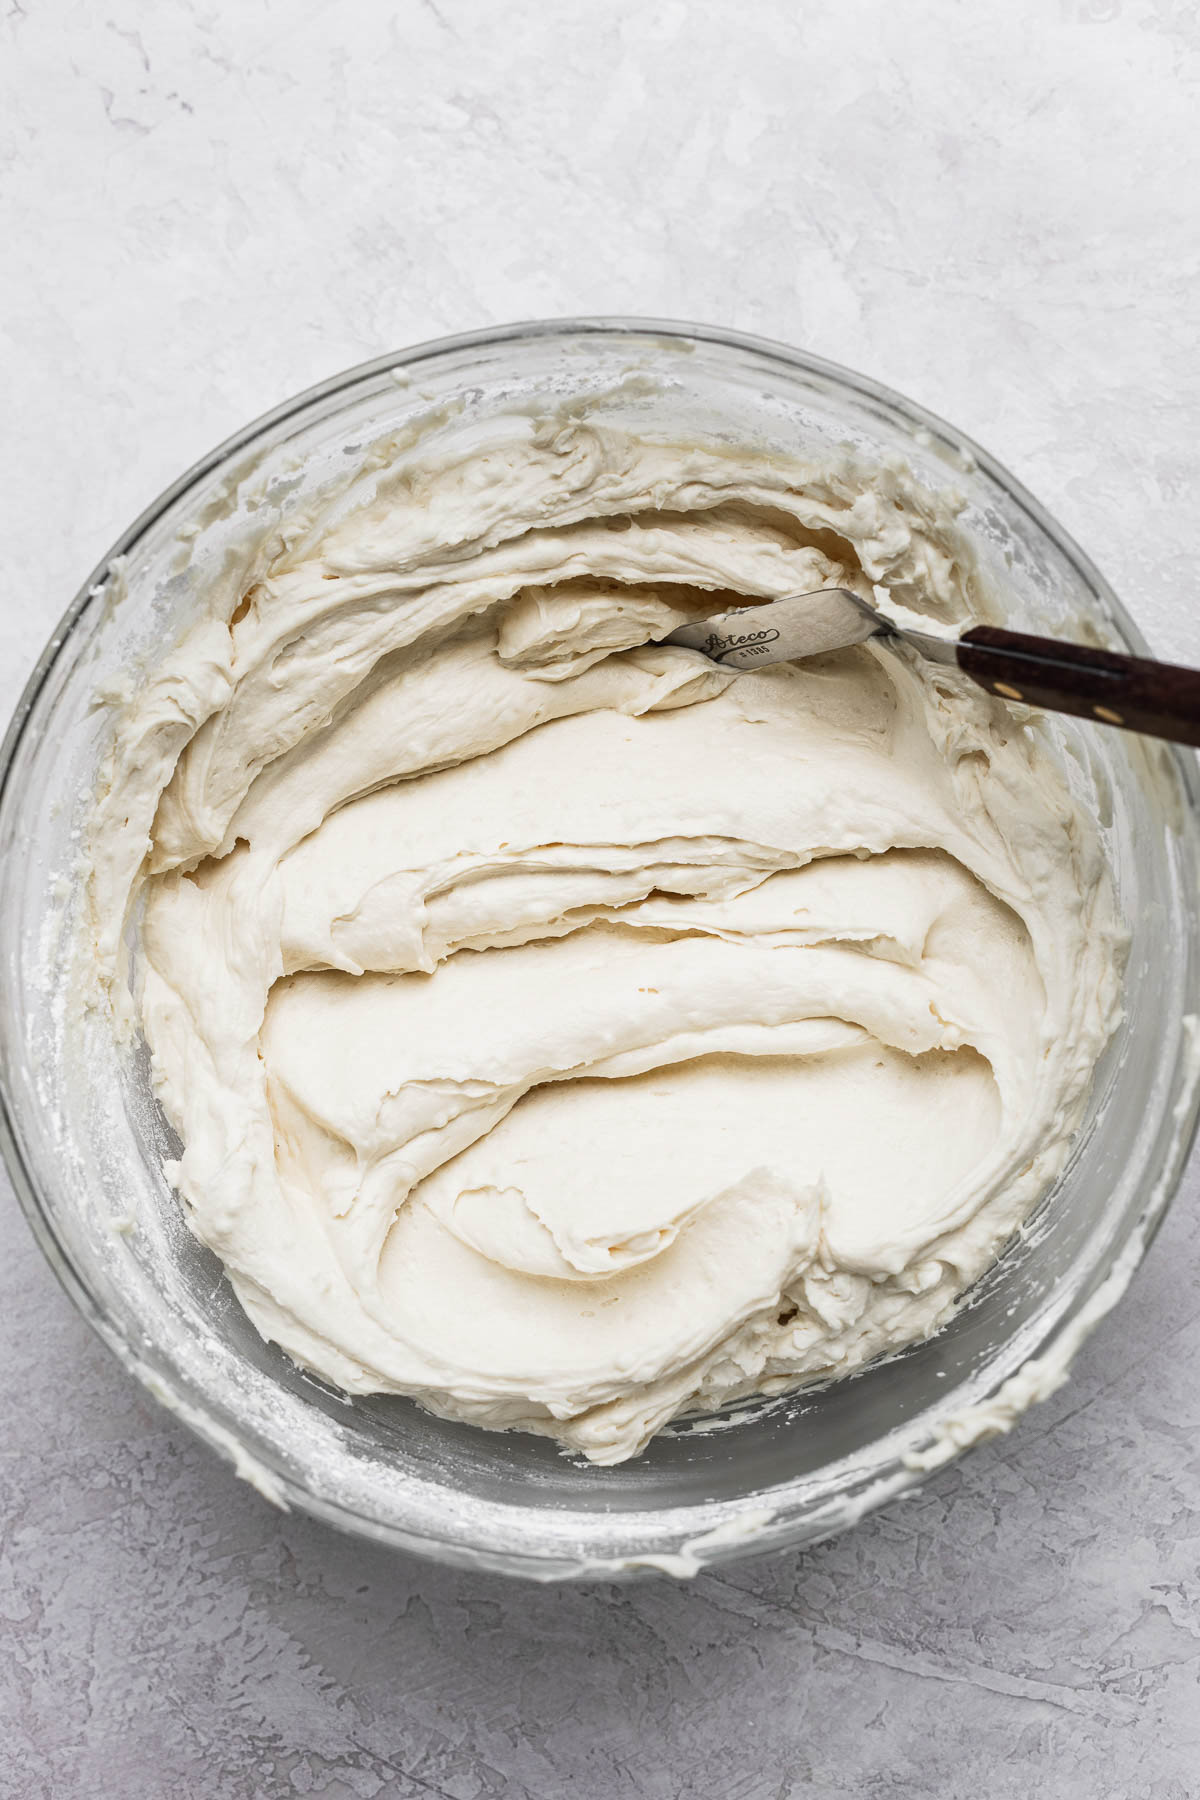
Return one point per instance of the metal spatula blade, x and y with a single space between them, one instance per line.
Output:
781 630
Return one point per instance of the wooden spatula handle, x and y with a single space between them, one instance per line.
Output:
1160 699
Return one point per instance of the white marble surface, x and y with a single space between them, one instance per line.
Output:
206 206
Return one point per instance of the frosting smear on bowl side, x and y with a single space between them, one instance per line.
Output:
564 1030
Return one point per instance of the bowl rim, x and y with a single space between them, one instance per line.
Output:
670 1532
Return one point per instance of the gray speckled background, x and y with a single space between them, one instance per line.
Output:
207 205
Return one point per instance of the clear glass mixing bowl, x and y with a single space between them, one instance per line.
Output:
85 1140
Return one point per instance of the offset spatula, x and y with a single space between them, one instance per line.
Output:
1160 699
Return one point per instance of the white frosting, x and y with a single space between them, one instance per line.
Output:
561 1029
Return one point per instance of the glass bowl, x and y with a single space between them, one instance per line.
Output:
85 1139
